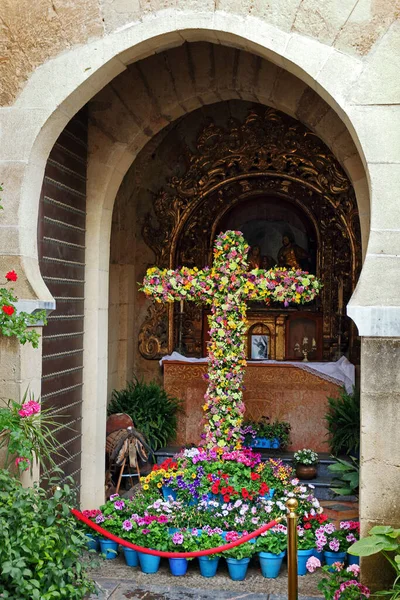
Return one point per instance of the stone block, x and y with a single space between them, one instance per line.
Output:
117 13
323 22
280 13
385 207
329 128
311 108
365 26
383 241
287 92
338 75
378 131
306 57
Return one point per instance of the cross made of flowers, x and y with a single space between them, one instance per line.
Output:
226 288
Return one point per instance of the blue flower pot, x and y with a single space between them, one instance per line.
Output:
237 568
270 564
92 542
270 494
178 566
168 491
302 558
131 557
109 549
332 557
208 566
148 562
353 560
275 443
172 530
319 555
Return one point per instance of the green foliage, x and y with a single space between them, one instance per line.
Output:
386 540
245 550
153 410
336 576
347 477
274 542
305 457
343 423
40 545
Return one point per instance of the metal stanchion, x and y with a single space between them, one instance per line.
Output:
293 591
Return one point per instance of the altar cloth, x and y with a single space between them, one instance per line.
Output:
340 372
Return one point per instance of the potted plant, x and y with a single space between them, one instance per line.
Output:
312 523
181 541
343 423
209 538
271 548
306 461
305 546
153 411
154 536
238 560
333 542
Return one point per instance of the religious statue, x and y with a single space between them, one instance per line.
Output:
290 255
256 261
254 258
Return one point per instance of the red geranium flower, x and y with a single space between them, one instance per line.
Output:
255 476
209 477
307 526
11 276
227 498
245 493
8 310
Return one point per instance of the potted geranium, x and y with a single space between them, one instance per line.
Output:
305 546
305 461
340 582
238 559
181 541
271 548
333 542
154 536
209 538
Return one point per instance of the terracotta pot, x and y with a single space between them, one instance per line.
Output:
306 471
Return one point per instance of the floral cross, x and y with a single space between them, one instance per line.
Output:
226 287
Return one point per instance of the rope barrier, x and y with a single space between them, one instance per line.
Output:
78 515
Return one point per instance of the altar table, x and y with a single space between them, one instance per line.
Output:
288 391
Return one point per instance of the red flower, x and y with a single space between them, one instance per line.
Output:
215 489
307 526
11 276
227 498
245 493
209 477
264 489
255 476
8 310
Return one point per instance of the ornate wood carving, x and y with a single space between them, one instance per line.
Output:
269 153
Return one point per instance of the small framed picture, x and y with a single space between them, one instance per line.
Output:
259 347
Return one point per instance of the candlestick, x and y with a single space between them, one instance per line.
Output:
181 306
340 295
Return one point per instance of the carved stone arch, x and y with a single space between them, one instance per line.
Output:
272 153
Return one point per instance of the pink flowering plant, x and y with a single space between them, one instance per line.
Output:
209 537
183 541
341 583
331 539
226 288
25 433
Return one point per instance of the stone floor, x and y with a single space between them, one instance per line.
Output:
119 582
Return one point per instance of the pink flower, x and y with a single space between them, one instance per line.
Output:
354 570
127 525
177 538
29 408
334 545
313 564
24 462
346 584
119 504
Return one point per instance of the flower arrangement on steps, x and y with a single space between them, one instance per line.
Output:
236 508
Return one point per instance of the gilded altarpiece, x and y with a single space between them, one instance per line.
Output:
269 155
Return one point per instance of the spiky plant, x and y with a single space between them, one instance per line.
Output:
343 423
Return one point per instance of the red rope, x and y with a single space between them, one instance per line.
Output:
78 515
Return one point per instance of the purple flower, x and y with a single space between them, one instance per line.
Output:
113 496
145 531
119 504
334 545
100 519
127 525
177 538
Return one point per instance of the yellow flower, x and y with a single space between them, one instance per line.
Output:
167 475
146 487
159 485
193 475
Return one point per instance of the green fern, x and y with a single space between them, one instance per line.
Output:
343 423
153 411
